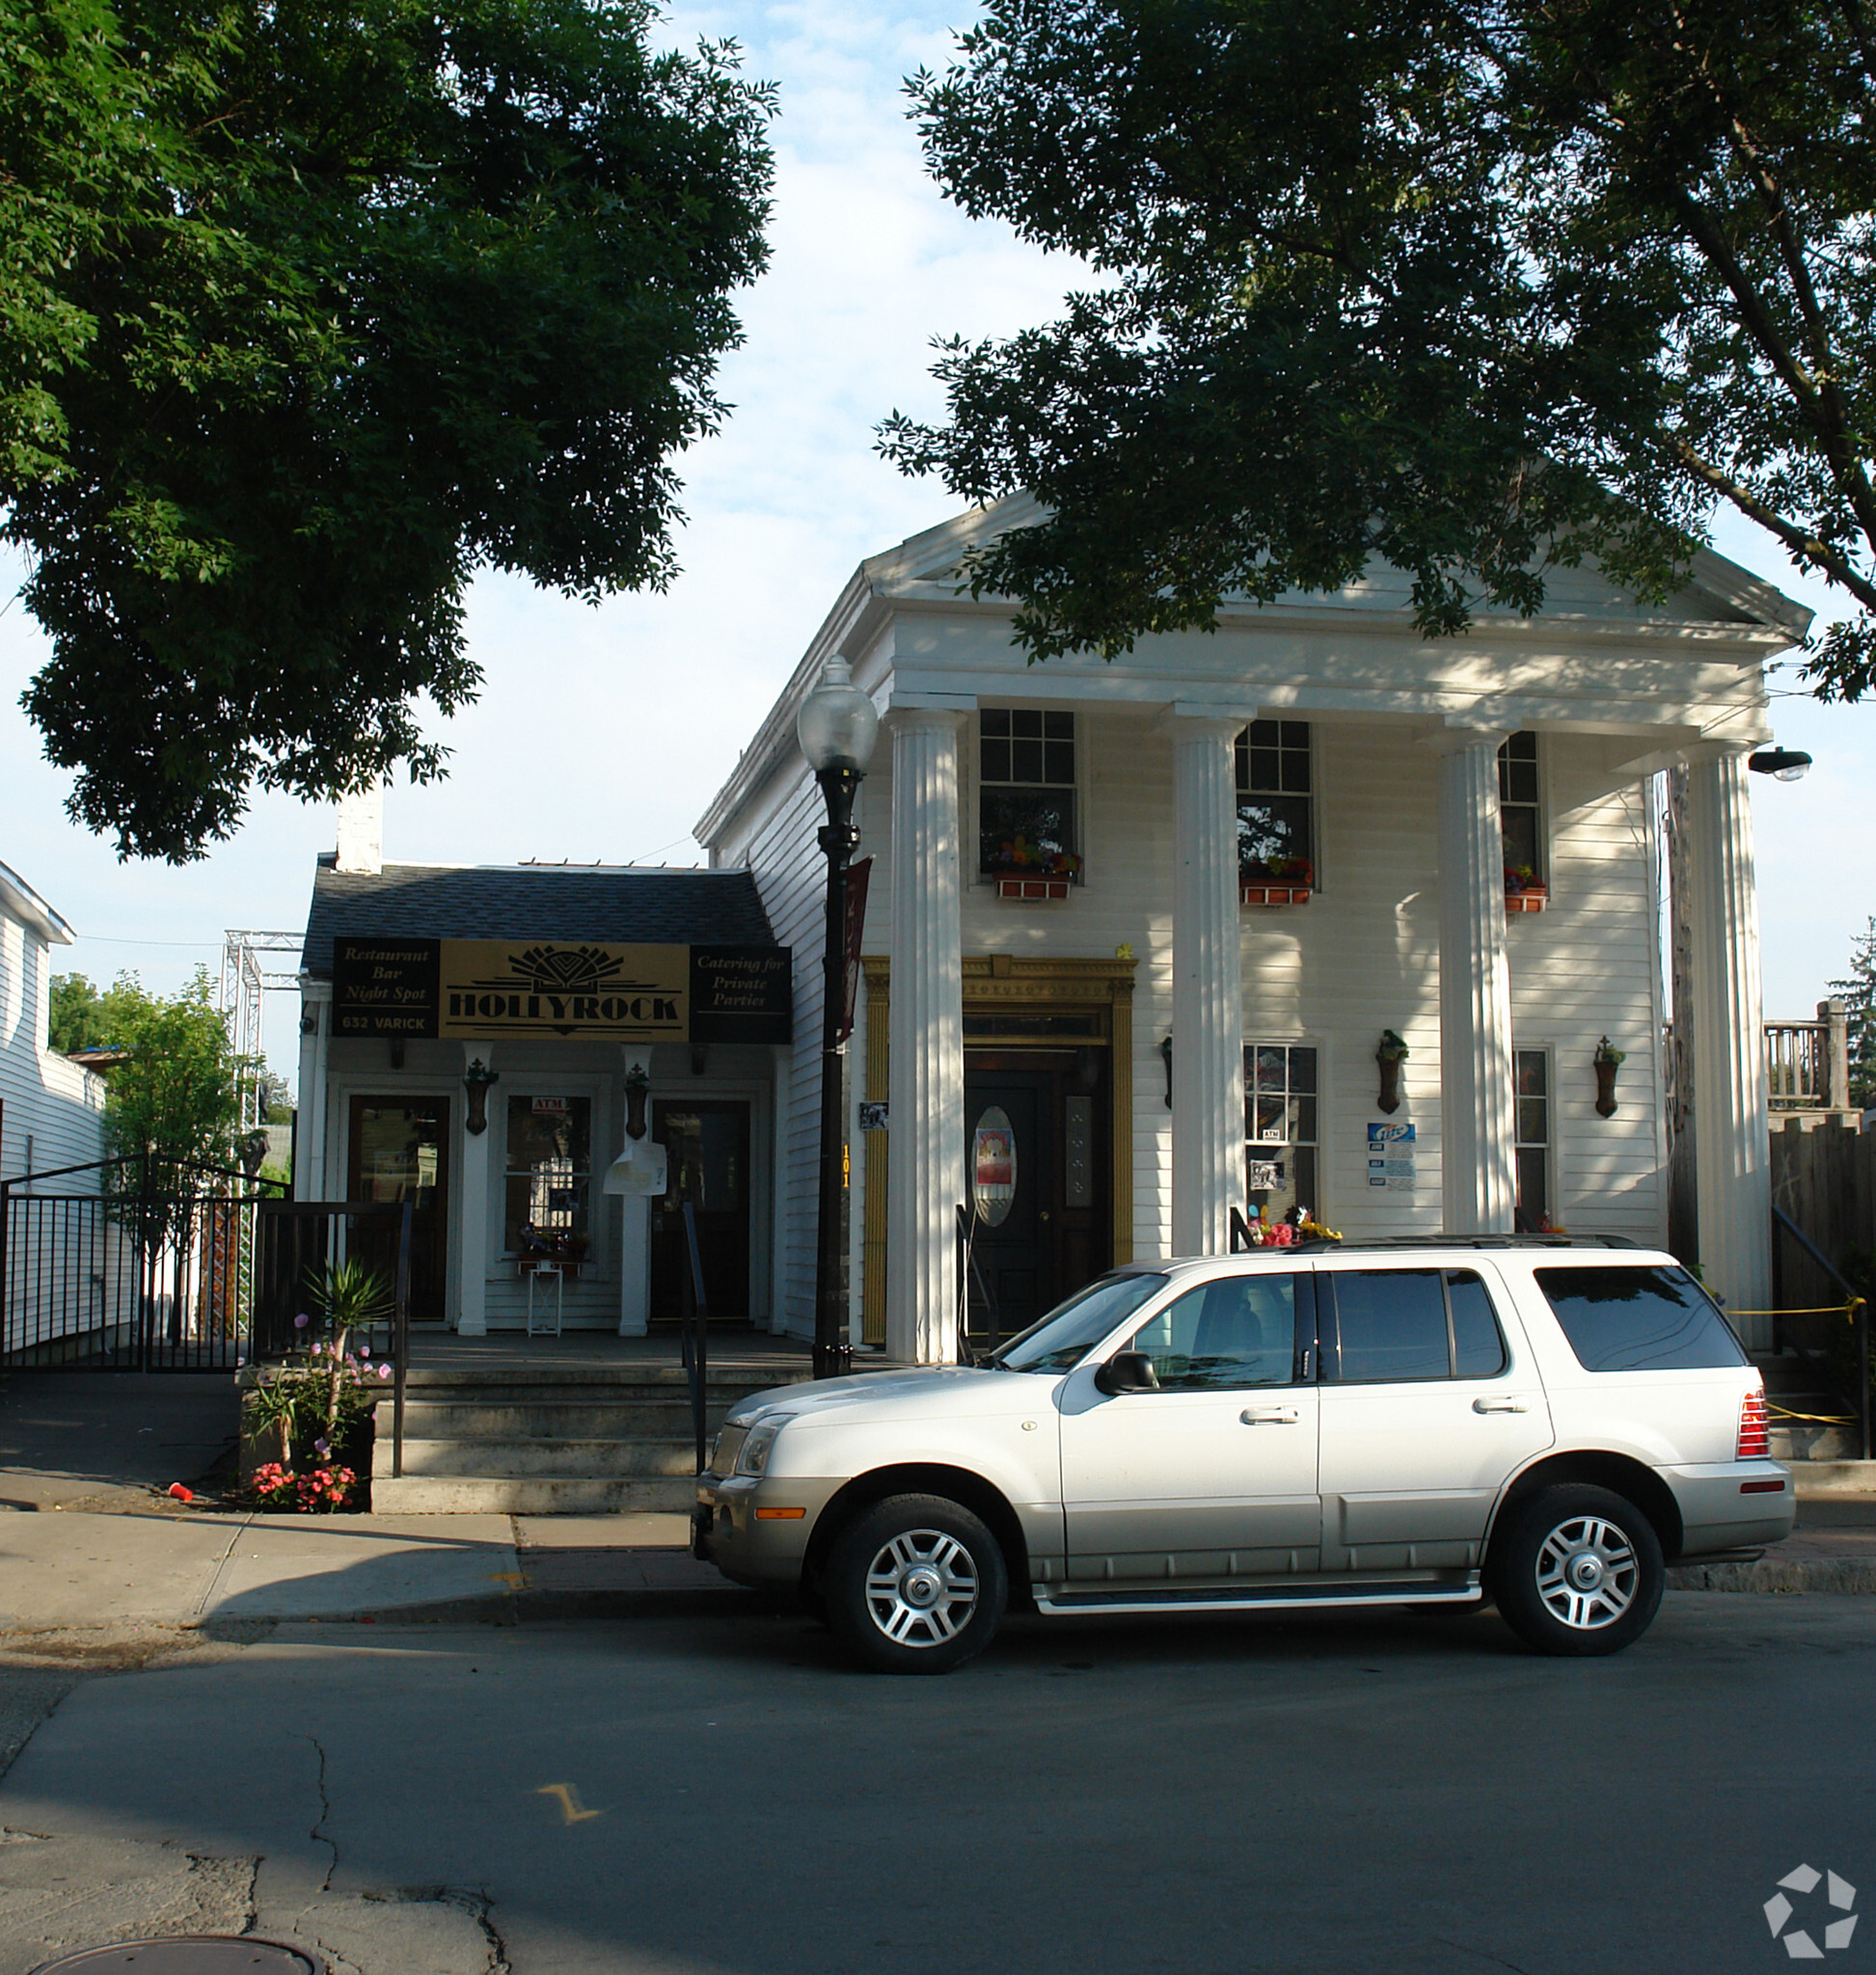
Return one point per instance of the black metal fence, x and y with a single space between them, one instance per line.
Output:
161 1265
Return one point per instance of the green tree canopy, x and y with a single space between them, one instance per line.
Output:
177 1095
1858 993
308 311
79 1016
1479 286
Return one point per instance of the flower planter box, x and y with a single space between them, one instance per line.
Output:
1260 893
1030 888
531 1265
1534 898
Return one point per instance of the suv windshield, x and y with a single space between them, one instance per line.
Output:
1058 1343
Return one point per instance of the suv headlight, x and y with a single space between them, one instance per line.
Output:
753 1457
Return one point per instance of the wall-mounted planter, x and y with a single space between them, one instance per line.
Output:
1032 888
1532 898
1262 894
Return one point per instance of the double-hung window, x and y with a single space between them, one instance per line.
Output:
1520 813
1275 841
1027 824
1531 1073
548 1196
1280 1127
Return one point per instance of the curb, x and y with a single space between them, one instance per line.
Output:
1839 1576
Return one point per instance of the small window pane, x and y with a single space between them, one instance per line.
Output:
1058 726
1530 1121
1639 1320
997 720
1226 1334
1296 773
1477 1344
1390 1324
1058 761
1302 1072
1264 772
1294 734
1264 733
996 761
1532 1072
1025 722
1534 1189
1026 761
1520 839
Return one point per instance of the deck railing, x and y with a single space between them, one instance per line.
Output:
1807 1063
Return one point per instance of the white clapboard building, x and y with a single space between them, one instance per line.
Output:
51 1111
1144 941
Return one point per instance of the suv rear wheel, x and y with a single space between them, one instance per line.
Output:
916 1585
1577 1571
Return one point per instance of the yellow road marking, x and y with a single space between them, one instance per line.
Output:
571 1812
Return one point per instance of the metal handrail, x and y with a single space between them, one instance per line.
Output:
1854 1300
696 1348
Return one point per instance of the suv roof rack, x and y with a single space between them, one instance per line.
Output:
1390 1242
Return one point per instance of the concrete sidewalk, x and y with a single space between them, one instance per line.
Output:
178 1569
74 1569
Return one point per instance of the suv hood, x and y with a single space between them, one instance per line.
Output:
943 1391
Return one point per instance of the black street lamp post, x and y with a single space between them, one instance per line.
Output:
837 727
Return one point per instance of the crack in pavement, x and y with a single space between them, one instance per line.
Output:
319 1834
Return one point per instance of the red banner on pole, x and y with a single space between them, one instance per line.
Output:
855 906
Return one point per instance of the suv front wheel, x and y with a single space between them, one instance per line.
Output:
916 1585
1577 1571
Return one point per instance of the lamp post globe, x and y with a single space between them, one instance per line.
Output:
1781 764
837 727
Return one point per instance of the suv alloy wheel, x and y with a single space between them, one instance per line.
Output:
916 1585
1577 1571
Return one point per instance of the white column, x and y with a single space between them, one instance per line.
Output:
1479 1176
925 1161
1732 1149
473 1221
635 1217
310 1181
1207 988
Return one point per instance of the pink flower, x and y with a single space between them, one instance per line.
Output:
300 1321
384 1372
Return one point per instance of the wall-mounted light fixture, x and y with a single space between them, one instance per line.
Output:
1389 1055
1166 1057
1781 764
308 1020
636 1084
1607 1060
475 1080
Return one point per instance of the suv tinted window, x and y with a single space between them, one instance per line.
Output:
1394 1324
1240 1331
1061 1339
1639 1320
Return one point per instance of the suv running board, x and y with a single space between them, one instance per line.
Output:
1055 1603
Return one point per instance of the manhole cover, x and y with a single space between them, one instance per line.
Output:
200 1953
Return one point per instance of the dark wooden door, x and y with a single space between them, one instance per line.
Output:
399 1150
707 1144
1035 1173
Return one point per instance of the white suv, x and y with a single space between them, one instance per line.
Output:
1542 1421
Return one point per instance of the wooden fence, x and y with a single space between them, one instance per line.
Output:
1825 1179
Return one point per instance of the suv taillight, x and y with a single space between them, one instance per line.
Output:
1754 1441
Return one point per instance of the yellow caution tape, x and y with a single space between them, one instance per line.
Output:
1847 1311
1815 1419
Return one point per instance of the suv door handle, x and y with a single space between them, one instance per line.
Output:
1269 1415
1510 1402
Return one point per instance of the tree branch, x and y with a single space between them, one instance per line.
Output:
1810 549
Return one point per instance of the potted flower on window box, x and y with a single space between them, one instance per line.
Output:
549 1248
1524 890
1276 882
1025 870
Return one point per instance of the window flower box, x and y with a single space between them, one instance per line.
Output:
1524 890
1032 888
1276 882
1020 869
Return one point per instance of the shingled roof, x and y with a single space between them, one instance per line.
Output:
552 902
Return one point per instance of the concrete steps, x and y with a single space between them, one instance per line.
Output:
1791 1387
553 1441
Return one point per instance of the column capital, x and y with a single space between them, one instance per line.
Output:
911 711
1188 720
1459 736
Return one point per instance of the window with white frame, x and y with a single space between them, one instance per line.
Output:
549 1180
1520 810
1025 793
1275 836
1280 1127
1530 1074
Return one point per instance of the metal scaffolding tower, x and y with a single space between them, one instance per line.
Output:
246 978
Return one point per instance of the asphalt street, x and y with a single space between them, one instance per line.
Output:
720 1796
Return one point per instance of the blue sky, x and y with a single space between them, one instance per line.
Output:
602 732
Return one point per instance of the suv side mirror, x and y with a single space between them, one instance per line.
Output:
1126 1371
